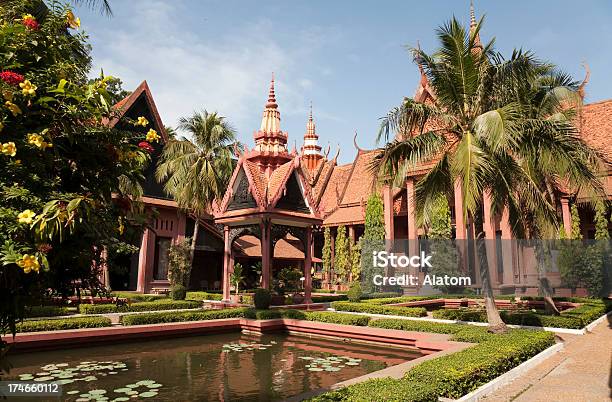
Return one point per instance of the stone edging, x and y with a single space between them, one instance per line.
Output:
570 331
508 376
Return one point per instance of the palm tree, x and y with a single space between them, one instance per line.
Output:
104 5
498 127
196 171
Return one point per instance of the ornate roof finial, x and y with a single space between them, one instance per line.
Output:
311 148
587 76
271 95
473 25
472 15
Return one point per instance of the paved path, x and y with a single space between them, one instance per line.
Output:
581 372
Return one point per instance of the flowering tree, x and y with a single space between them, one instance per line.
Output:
67 180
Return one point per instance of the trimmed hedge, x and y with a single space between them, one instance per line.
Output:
326 299
179 316
450 376
337 318
575 318
365 307
199 296
64 323
47 311
138 297
165 304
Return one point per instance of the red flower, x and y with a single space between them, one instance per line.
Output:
31 23
11 78
146 146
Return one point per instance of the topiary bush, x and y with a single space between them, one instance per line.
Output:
354 293
178 292
65 323
262 299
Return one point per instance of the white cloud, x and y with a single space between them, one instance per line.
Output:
187 71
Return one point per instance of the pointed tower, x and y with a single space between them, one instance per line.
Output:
270 141
424 93
311 150
477 44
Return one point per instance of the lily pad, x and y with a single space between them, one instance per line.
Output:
97 391
148 394
351 364
153 385
121 390
121 399
45 378
74 391
315 369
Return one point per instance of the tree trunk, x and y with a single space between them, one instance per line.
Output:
496 324
194 242
545 290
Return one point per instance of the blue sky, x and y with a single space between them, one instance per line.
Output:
347 57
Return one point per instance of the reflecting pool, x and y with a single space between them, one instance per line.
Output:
227 367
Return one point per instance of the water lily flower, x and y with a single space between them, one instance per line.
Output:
142 121
26 216
29 263
72 21
9 148
11 78
152 136
28 88
15 110
30 22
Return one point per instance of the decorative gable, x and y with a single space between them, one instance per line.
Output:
241 195
293 197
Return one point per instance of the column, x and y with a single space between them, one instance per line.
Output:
413 235
226 263
308 251
266 255
508 245
105 274
388 212
180 229
146 257
567 217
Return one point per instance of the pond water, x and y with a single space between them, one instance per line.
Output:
227 367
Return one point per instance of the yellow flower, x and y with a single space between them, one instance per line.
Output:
73 22
29 263
152 136
13 108
18 162
142 121
39 141
28 88
9 148
121 227
26 216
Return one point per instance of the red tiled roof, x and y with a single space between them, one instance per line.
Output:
359 185
289 248
345 215
278 177
596 127
335 187
258 180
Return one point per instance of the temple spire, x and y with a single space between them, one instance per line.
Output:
473 25
311 150
270 122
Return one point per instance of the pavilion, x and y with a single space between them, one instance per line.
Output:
268 197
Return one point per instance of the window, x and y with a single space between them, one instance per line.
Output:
162 247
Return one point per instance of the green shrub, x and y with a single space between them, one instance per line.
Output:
138 297
164 304
460 373
380 295
382 390
199 296
354 293
261 299
337 318
392 299
379 309
576 318
450 376
180 316
63 323
327 299
46 311
178 292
